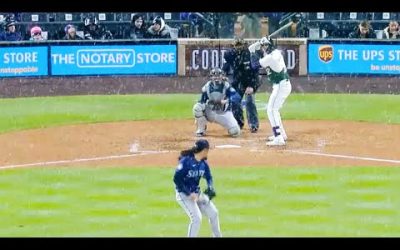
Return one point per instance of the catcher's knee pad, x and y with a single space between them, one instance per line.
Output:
198 110
234 131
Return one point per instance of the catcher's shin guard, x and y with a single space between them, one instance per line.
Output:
201 123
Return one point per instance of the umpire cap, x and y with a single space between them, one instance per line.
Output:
238 41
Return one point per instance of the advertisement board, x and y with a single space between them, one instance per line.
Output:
113 59
200 59
23 61
354 58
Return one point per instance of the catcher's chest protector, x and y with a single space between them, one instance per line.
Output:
216 92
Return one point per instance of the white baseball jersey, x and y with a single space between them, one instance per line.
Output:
275 66
274 60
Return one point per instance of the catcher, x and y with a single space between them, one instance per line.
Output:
192 166
215 105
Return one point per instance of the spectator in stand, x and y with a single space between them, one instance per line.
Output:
226 23
363 30
199 23
138 27
94 31
70 33
392 31
248 25
184 15
10 33
159 29
297 29
273 20
196 23
36 34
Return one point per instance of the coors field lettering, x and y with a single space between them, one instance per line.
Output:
194 56
207 59
290 59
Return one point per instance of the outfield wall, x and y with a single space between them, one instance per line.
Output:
181 66
129 85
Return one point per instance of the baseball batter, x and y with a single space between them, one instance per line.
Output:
277 75
191 168
215 105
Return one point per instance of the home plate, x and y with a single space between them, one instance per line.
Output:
228 146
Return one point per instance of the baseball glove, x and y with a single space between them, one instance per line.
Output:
210 193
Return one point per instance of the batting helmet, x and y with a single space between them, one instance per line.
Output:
268 43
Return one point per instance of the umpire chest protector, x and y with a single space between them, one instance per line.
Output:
244 76
241 65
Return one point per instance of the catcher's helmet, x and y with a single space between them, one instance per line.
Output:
216 74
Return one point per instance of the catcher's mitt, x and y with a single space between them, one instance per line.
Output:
210 193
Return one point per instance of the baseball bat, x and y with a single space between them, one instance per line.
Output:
281 28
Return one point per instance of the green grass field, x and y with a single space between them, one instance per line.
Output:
122 201
24 113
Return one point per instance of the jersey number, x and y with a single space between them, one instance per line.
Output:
268 70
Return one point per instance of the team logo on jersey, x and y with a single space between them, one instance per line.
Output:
325 53
195 173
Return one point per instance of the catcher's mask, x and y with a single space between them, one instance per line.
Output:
216 75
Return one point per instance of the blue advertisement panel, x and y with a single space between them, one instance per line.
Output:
113 59
23 61
331 58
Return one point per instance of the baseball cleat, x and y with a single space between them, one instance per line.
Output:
278 141
271 138
254 130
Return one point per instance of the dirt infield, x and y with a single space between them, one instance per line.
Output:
157 143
